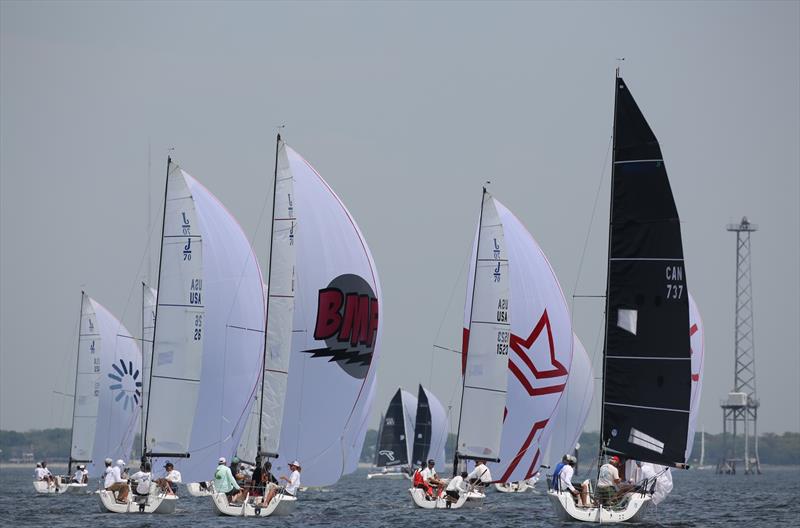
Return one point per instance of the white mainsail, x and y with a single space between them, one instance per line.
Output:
539 352
697 342
486 336
336 338
87 382
209 327
573 408
119 387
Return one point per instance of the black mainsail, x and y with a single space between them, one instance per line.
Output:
392 446
423 428
646 361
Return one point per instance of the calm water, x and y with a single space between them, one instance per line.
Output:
700 498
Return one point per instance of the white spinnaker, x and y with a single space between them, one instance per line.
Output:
539 352
148 324
486 340
356 439
87 384
233 329
697 342
118 408
180 325
330 382
440 427
573 408
409 417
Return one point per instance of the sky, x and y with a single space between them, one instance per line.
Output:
406 108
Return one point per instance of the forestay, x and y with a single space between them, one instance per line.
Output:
697 341
647 385
540 353
486 337
119 386
573 408
336 338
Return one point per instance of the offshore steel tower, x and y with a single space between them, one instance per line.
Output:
740 409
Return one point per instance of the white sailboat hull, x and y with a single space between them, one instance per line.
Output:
42 486
279 506
389 475
194 489
471 499
566 509
159 503
512 487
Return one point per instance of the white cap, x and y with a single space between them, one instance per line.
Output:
295 463
109 461
120 462
222 460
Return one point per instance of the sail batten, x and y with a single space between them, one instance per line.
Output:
647 355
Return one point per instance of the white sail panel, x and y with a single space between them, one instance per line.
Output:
697 342
440 427
87 384
573 408
540 352
409 417
336 339
179 329
356 439
120 386
486 342
233 330
148 325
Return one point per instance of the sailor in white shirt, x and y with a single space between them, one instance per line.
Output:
81 476
292 483
607 480
114 482
480 475
432 478
565 482
42 473
39 473
143 477
169 483
455 487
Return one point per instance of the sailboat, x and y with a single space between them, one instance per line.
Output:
209 318
646 358
336 330
106 396
267 410
431 427
573 408
393 451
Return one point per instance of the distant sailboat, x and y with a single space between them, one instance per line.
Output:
431 427
395 443
107 395
646 360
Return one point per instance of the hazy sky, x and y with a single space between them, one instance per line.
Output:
406 109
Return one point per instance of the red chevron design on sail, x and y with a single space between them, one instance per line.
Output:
521 453
519 346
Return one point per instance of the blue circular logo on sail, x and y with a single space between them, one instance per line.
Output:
127 386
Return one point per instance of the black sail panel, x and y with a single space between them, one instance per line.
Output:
647 362
423 428
392 441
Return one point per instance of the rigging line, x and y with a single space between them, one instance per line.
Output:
591 221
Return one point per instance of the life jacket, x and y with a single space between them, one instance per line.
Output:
554 484
420 482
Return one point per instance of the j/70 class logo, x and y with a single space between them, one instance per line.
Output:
347 320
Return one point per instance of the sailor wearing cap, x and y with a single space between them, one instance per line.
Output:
607 480
114 482
292 483
169 483
81 476
225 483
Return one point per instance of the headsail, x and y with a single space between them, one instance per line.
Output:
87 378
697 341
397 431
573 408
647 378
431 428
336 338
486 335
119 387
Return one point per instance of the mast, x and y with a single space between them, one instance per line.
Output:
608 270
155 321
266 308
141 416
469 330
75 389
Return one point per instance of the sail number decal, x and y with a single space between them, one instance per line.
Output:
502 342
198 327
502 311
674 276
